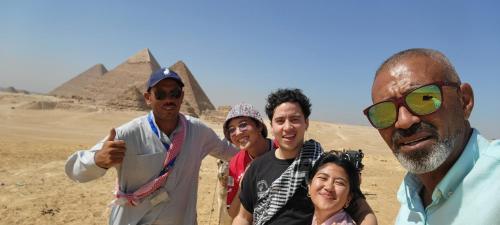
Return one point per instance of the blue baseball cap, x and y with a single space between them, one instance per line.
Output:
161 74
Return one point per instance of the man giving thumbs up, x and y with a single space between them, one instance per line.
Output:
157 157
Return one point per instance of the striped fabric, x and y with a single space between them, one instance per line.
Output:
283 188
134 198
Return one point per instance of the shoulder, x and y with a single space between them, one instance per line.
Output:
194 120
262 163
238 158
195 123
490 149
133 126
264 159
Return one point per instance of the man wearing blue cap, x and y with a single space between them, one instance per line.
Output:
157 157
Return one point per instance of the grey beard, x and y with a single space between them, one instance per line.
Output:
429 160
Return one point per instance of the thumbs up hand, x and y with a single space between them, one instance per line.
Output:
111 153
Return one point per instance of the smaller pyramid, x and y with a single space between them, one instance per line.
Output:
10 90
195 99
81 85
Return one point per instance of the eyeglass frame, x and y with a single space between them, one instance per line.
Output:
398 102
245 128
173 94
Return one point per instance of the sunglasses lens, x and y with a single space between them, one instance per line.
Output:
382 115
160 95
424 100
176 93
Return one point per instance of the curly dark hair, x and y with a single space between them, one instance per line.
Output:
287 95
350 169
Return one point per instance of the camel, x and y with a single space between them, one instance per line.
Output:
222 175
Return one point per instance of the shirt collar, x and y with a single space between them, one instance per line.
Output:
163 136
410 188
461 167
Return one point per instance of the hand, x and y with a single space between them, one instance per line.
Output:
111 153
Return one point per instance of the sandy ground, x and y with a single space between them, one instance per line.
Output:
34 145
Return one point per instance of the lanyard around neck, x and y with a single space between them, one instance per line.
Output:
156 131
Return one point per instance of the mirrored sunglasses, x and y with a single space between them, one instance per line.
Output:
420 101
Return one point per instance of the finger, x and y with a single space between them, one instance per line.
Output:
112 134
116 160
117 143
118 150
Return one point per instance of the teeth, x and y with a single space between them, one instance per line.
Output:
243 140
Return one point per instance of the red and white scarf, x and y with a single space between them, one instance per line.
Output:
134 198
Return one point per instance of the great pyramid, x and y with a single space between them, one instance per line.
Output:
123 86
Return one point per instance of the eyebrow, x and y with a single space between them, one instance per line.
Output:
241 121
334 177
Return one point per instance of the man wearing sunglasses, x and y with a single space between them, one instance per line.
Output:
157 157
421 110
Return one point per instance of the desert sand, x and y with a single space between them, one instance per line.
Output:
36 138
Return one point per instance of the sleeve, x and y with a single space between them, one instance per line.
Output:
213 145
247 193
81 166
232 186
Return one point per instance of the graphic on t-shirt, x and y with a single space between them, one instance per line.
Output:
261 188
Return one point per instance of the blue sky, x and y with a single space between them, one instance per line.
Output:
242 50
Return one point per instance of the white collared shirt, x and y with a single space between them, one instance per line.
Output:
143 162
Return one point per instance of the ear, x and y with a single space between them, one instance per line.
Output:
467 99
147 98
307 123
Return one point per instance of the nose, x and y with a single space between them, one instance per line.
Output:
288 125
405 118
329 187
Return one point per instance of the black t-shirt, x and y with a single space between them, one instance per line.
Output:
257 179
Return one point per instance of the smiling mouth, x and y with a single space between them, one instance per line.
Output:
243 140
169 107
416 141
289 137
327 196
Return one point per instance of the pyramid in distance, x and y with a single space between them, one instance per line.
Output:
123 86
78 86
